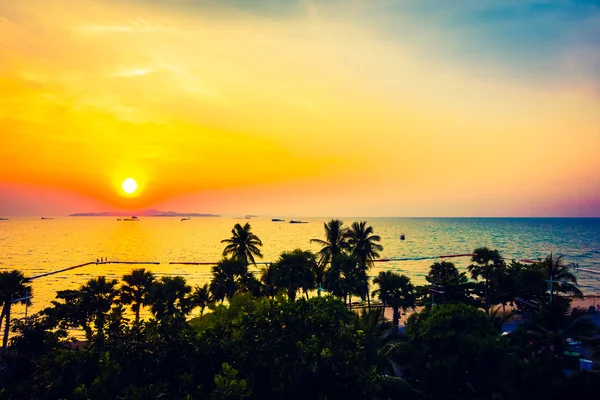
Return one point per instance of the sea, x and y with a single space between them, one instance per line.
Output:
36 246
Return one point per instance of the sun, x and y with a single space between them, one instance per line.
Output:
129 186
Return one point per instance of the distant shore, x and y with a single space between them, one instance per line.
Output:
143 213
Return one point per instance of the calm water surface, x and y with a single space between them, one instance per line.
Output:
36 246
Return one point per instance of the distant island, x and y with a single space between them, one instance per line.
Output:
143 213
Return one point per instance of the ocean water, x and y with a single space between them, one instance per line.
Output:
35 246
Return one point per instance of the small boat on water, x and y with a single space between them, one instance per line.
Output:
185 219
134 218
277 220
47 218
298 222
3 219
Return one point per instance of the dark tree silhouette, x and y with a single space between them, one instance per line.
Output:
294 271
564 279
397 291
486 262
335 241
201 297
230 276
136 289
171 298
365 247
243 245
13 286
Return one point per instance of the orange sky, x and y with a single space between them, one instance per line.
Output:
319 109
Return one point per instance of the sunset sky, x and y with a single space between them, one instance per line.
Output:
308 108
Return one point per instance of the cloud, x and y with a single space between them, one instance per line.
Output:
136 71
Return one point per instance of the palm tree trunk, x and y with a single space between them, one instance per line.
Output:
350 301
368 300
487 308
396 318
88 332
7 325
2 317
100 329
306 293
137 315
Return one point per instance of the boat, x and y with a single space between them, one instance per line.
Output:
134 218
298 222
47 218
402 237
3 219
185 219
277 220
118 219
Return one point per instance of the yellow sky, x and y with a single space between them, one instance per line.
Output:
315 113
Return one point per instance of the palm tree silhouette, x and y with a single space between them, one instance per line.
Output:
98 296
268 278
83 307
335 241
227 278
560 275
170 298
446 276
294 271
201 297
365 247
136 289
243 244
345 278
383 280
13 288
397 291
486 262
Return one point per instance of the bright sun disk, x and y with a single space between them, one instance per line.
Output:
129 185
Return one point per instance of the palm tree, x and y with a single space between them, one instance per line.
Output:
243 244
447 277
268 279
247 283
485 263
170 298
201 297
136 289
227 278
13 288
365 247
396 291
294 271
442 273
98 296
548 328
85 306
345 278
335 241
563 280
